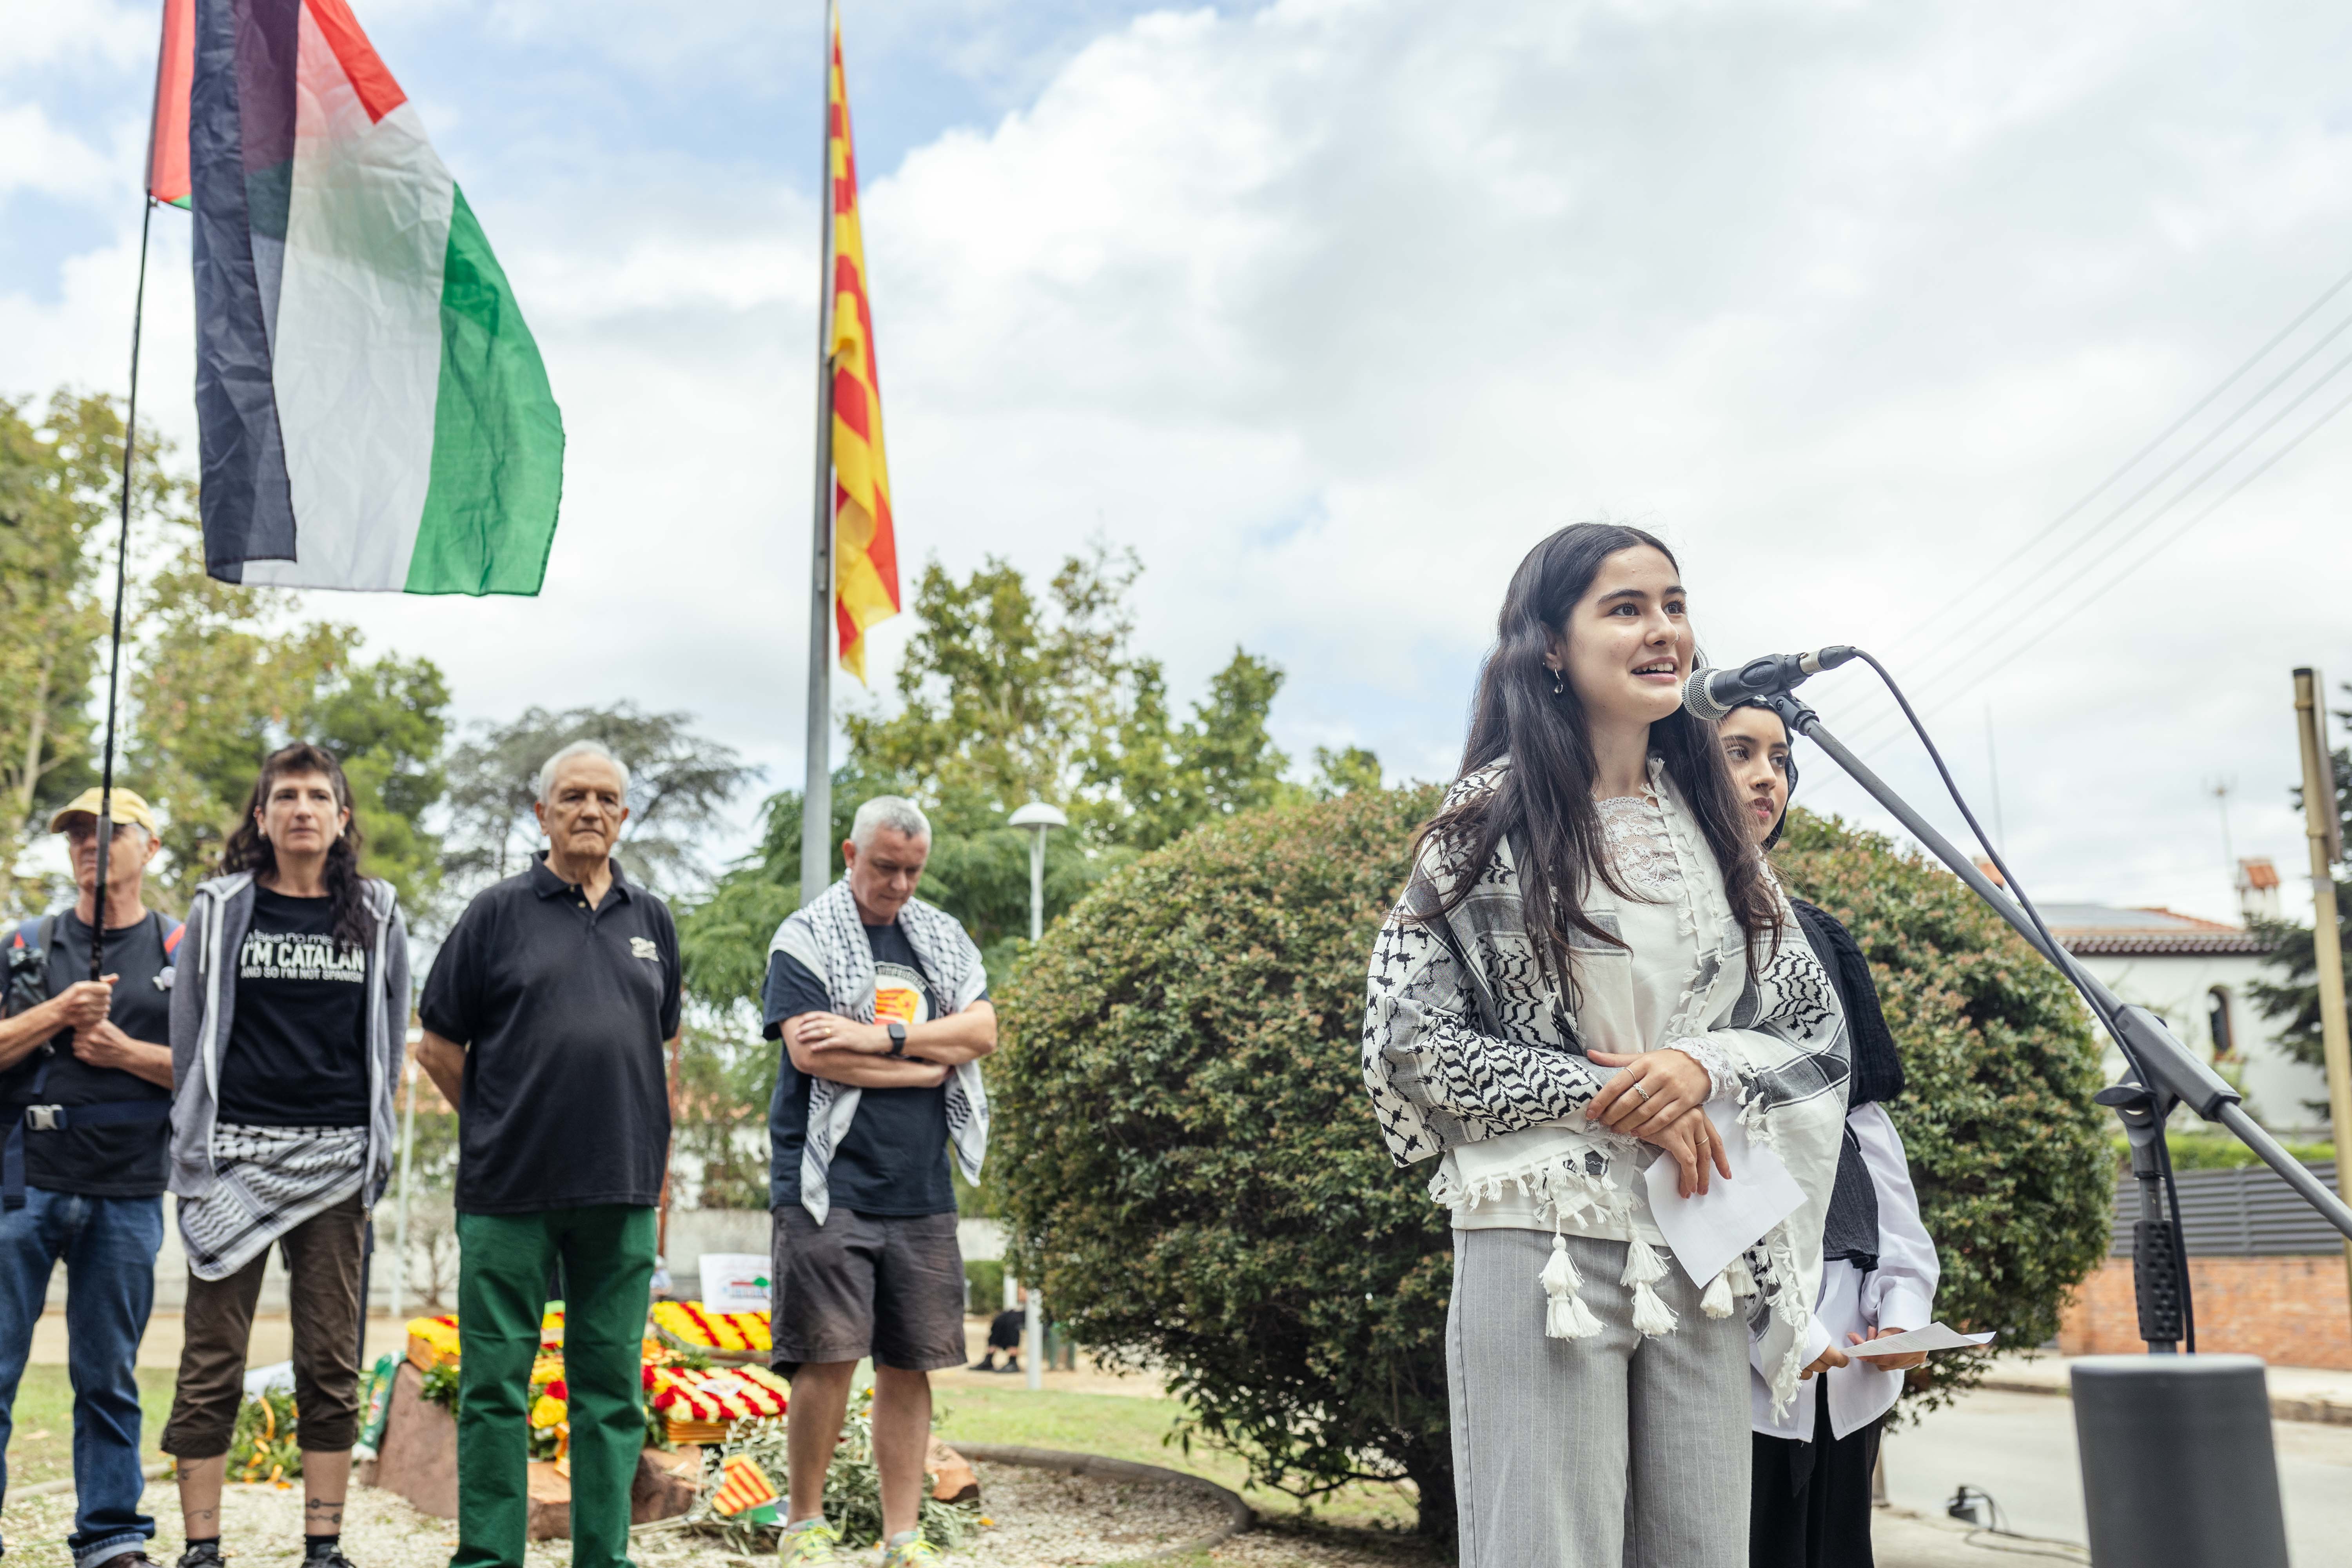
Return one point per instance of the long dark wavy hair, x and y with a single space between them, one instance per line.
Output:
248 850
1543 805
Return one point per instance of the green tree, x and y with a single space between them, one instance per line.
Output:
61 477
1189 1167
1005 697
2294 998
721 1114
680 785
224 675
1344 772
999 695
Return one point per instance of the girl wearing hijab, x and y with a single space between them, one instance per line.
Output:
1810 1507
1591 971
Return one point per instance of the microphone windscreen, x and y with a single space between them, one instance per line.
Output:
1699 700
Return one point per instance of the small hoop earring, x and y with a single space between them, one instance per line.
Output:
1559 684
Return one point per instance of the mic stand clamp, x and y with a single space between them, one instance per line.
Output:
2156 1255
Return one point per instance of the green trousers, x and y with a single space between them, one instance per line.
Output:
607 1253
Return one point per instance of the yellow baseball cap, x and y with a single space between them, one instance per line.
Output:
128 807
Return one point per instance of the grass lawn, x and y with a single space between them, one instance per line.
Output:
40 1448
1120 1427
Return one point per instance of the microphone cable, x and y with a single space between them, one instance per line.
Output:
2098 1009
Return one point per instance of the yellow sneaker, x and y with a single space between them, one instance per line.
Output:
916 1553
815 1544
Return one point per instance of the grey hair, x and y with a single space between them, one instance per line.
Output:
894 811
579 749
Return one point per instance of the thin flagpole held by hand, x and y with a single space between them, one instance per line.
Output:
121 574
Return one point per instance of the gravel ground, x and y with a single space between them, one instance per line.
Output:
1043 1520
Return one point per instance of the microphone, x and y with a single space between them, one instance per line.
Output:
1711 694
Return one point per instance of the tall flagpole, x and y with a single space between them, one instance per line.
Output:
122 573
816 796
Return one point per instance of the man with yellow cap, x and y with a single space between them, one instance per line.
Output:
85 1101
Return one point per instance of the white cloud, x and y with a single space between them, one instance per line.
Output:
44 35
1330 309
37 155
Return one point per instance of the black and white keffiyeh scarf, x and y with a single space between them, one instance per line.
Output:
268 1181
829 939
1466 1038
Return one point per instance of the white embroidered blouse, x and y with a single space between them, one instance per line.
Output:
1630 999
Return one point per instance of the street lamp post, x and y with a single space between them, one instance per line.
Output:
1040 819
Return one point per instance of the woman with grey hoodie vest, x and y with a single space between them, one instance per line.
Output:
289 1009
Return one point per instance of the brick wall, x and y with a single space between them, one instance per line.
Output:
2291 1311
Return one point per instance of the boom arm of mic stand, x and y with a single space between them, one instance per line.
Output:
2151 1047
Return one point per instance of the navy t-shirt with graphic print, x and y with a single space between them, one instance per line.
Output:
894 1158
297 1049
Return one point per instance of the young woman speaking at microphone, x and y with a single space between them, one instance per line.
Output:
1590 954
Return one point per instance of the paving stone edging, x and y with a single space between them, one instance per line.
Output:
1239 1516
2284 1407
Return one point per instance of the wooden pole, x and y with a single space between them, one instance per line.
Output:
2322 826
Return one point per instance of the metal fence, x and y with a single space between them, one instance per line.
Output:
2245 1213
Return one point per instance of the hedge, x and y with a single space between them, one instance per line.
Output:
1189 1167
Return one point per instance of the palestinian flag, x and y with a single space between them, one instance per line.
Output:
373 411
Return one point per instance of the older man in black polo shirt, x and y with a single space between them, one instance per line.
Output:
545 1020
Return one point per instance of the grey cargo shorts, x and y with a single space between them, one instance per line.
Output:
887 1286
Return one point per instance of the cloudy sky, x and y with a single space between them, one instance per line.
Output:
1330 308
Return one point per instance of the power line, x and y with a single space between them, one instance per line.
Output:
2095 595
2171 469
2138 457
1942 670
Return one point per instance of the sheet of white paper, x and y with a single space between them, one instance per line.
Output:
1707 1232
735 1281
1934 1337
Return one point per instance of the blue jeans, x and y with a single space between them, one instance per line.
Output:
109 1246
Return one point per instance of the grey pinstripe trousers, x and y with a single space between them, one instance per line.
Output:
1615 1451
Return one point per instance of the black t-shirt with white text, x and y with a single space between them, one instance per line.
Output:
122 1160
297 1050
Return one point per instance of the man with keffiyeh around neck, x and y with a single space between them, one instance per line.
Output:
882 1004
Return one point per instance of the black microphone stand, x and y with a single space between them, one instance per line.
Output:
2178 1470
2159 1071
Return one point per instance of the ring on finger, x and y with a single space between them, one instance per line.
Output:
1643 1090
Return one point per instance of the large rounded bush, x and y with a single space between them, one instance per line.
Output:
1189 1162
1190 1167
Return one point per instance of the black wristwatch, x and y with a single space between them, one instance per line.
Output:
898 1033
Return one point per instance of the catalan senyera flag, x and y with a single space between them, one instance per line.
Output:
374 412
866 547
744 1486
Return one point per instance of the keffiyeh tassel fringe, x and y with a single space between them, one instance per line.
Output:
1566 1317
1643 1269
1734 1282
